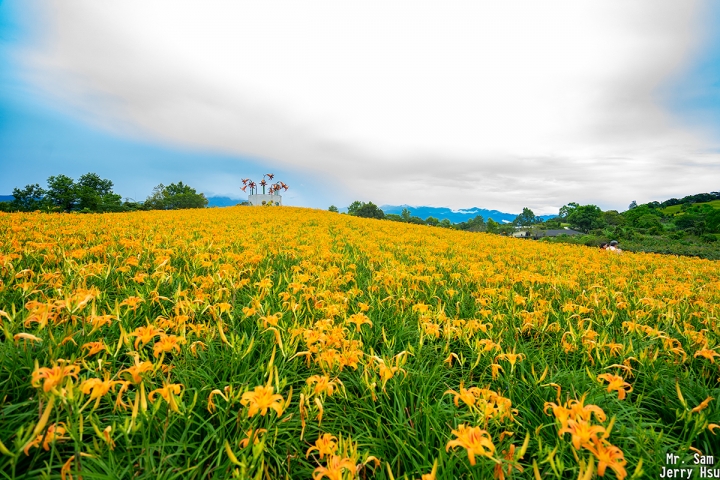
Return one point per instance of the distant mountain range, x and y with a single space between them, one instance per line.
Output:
455 216
224 201
212 201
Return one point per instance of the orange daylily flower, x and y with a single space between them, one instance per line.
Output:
168 392
145 334
322 384
260 400
252 436
94 347
582 432
608 456
616 382
335 467
326 444
703 405
475 440
167 343
54 433
707 353
54 376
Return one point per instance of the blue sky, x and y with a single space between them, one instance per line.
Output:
603 104
42 136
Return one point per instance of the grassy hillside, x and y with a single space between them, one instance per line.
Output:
676 209
291 343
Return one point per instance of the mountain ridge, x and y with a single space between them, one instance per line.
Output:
455 216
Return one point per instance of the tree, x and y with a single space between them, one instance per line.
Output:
566 210
612 217
95 194
632 205
405 214
29 198
492 226
369 210
432 221
713 221
333 209
585 218
175 196
526 218
354 206
62 192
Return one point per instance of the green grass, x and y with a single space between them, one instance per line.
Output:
348 261
676 209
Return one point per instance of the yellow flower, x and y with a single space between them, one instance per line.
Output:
167 343
96 387
325 445
26 337
270 319
475 440
168 392
334 469
323 385
94 347
582 432
616 383
132 302
707 353
145 334
260 399
54 376
359 319
703 405
252 436
467 395
579 410
608 456
54 432
138 369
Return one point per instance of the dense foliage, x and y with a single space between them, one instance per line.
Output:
89 194
175 196
292 343
94 194
680 227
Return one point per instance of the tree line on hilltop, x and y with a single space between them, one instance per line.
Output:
653 226
90 193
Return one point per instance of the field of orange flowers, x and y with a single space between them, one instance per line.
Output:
293 343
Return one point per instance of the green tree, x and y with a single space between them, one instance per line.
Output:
29 198
333 209
175 196
354 207
552 223
445 223
432 221
713 221
369 210
492 226
62 192
566 210
95 194
526 218
585 217
405 214
612 217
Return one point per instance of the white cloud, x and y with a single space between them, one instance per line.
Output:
490 104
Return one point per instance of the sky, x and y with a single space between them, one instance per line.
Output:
498 105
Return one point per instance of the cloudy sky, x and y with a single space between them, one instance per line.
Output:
498 105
